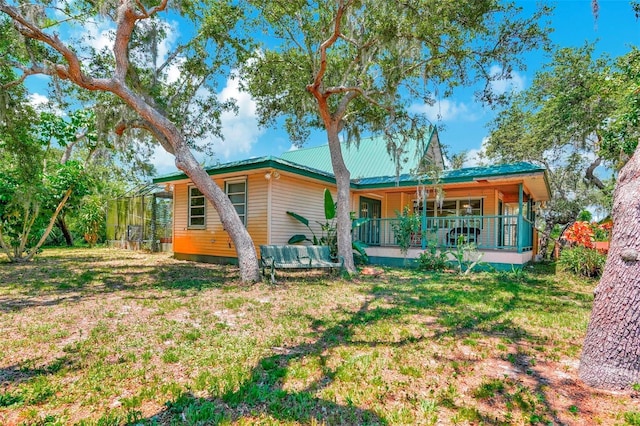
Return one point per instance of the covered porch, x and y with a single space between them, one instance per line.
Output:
496 215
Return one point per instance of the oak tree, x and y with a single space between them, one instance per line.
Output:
560 123
355 67
171 96
610 352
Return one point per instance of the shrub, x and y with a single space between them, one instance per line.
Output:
404 228
432 260
580 234
582 261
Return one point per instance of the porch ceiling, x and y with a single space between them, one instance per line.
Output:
534 184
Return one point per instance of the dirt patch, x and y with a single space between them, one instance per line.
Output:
107 335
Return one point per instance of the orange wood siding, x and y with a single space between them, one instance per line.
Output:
214 240
268 223
306 198
393 202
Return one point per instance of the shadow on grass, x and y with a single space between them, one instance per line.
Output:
461 317
459 309
459 314
24 372
54 280
264 394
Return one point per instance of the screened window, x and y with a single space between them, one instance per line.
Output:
455 209
237 193
196 208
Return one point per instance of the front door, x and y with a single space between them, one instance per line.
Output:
370 231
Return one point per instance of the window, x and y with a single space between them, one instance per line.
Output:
453 208
196 208
237 192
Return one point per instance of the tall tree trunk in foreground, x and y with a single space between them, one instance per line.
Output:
343 216
611 353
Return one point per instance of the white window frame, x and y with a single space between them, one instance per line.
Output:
190 215
227 183
460 210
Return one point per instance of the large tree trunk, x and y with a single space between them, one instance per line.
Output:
611 353
247 256
545 238
61 223
343 216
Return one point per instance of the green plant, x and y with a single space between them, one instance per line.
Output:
405 228
583 261
489 389
329 236
466 255
516 274
632 418
91 219
432 259
7 399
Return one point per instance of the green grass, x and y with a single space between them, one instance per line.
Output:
106 337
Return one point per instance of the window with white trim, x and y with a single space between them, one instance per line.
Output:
453 208
197 209
236 190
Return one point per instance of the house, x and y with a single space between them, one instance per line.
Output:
494 206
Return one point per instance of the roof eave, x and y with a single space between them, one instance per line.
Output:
260 163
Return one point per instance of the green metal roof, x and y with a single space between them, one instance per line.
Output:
468 174
370 165
369 158
253 164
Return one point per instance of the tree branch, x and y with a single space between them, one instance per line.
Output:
72 71
26 72
52 222
122 126
591 177
317 82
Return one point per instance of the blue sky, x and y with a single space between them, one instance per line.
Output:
464 121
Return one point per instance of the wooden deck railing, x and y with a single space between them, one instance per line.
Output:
500 232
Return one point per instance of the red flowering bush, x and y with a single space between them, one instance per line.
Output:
580 234
582 258
585 233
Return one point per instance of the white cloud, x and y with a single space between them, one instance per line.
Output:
166 45
163 161
241 130
99 35
42 103
37 100
293 147
514 84
474 156
173 70
444 110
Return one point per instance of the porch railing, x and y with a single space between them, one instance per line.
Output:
501 232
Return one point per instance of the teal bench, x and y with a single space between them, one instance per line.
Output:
274 257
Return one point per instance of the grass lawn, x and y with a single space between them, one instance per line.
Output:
111 337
